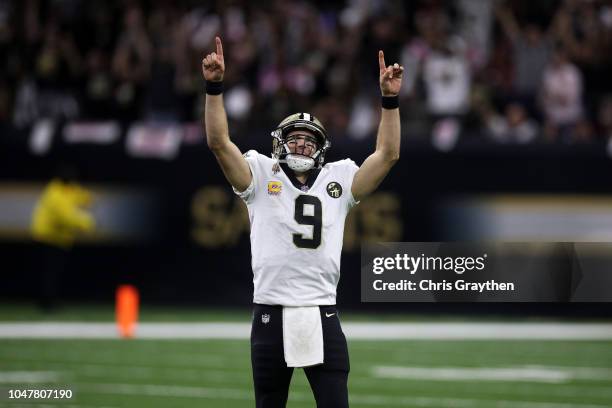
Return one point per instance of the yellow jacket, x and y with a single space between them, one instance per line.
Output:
57 217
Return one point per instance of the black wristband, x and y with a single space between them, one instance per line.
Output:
214 88
390 102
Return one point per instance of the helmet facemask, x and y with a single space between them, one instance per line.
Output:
296 161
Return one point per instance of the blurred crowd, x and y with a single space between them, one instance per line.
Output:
499 71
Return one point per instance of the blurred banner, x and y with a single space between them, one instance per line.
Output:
121 214
170 224
528 217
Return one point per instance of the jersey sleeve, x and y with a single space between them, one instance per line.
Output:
350 168
248 195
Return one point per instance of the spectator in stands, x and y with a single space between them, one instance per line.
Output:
584 32
439 59
140 60
561 96
54 66
475 20
531 47
447 82
131 63
98 87
584 28
515 126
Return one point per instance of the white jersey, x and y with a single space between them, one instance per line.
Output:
297 230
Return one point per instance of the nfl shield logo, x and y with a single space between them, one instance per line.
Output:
265 318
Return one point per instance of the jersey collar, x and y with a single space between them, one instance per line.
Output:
312 176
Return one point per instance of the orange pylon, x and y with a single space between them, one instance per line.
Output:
126 310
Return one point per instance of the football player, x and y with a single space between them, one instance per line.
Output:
297 205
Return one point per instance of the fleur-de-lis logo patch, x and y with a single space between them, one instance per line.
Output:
334 189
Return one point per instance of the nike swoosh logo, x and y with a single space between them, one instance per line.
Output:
329 314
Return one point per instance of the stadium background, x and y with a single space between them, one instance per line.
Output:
506 108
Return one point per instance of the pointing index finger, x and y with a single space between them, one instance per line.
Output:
219 46
381 61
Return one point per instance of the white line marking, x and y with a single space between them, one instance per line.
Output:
130 372
530 373
22 405
28 377
166 391
580 373
479 331
354 331
112 359
363 399
520 390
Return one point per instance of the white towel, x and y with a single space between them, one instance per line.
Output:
302 336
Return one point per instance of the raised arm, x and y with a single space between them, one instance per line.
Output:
234 166
377 165
507 21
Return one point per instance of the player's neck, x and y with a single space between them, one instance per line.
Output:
302 177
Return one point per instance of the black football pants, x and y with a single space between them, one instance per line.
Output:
272 377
